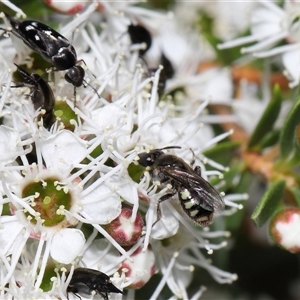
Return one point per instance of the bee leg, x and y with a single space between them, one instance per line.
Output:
76 296
104 295
198 170
193 160
160 200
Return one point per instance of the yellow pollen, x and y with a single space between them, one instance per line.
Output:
60 210
58 113
47 200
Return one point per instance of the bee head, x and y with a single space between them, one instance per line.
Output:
147 159
75 75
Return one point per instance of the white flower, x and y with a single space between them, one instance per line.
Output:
230 18
271 24
12 148
87 160
177 265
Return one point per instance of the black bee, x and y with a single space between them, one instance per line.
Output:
87 281
198 199
168 69
166 73
51 45
138 35
41 94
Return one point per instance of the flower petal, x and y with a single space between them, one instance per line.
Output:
291 61
9 234
66 245
63 150
100 255
109 116
8 149
102 204
166 227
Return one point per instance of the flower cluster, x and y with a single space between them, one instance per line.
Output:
271 24
72 193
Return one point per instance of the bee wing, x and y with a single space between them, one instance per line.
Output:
210 198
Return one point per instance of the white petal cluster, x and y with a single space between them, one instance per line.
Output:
270 25
118 115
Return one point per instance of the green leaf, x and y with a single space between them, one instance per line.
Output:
269 203
296 193
31 9
270 139
222 152
230 178
268 118
135 171
288 134
297 132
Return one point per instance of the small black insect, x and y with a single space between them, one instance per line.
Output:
138 35
168 69
166 73
87 281
41 94
51 45
198 199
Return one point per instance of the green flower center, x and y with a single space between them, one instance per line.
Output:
49 199
65 114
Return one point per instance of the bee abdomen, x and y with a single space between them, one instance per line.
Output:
193 209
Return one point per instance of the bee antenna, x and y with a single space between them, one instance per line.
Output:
170 147
87 84
74 95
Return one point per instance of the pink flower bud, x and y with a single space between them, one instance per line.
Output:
141 269
66 7
125 231
285 229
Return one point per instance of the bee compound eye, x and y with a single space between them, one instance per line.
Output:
144 159
75 76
